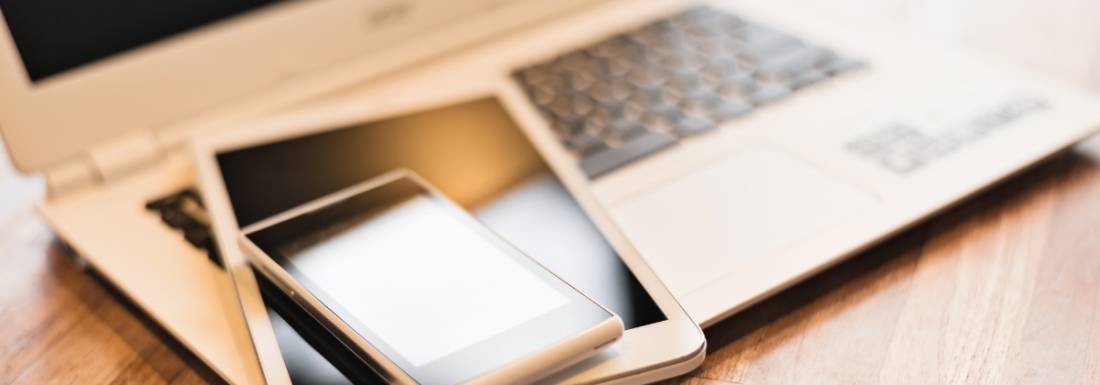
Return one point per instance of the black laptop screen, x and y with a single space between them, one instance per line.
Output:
54 36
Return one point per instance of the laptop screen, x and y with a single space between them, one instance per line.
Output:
54 36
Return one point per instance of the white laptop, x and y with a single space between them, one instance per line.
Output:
734 149
104 105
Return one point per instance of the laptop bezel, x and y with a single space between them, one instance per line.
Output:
231 70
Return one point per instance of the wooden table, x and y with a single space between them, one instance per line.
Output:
1004 288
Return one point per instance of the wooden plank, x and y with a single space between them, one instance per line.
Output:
92 353
61 325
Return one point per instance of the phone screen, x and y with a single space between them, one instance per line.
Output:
427 284
423 282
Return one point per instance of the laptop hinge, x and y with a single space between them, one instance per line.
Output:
105 163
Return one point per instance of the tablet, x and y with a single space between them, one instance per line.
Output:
470 149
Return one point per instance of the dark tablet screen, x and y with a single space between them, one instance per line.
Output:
475 155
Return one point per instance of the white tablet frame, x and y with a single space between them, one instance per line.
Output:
646 353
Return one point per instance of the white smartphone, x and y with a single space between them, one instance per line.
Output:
421 292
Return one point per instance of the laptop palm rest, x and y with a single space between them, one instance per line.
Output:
726 215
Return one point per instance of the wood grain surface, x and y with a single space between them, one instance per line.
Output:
1003 289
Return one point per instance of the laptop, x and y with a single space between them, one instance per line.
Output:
735 148
104 107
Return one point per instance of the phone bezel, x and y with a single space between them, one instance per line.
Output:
580 320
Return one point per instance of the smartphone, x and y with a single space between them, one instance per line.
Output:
418 291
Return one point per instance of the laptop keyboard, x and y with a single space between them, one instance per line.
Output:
184 211
902 148
634 94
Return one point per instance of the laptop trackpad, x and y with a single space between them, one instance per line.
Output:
719 218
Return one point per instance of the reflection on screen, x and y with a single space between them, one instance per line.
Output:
475 155
387 272
562 231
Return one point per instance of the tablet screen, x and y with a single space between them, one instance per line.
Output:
475 155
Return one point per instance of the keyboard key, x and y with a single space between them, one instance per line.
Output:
865 147
674 92
608 48
893 133
726 110
808 78
561 107
582 105
626 127
643 77
685 63
899 163
168 201
910 143
542 95
184 211
581 81
636 148
796 62
693 125
841 64
197 236
763 42
564 131
574 61
595 126
657 123
933 150
535 75
697 106
174 200
667 110
693 17
726 23
601 91
739 90
769 93
961 136
586 143
177 219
